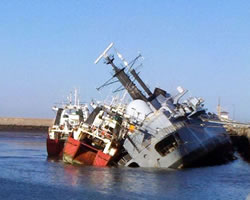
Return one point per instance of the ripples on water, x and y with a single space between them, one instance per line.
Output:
26 173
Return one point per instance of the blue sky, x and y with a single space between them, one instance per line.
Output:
48 47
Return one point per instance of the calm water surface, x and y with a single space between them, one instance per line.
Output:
26 173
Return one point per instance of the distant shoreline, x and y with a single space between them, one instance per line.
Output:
24 124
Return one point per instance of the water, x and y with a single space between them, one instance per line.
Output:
26 173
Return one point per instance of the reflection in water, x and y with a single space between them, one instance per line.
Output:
123 181
108 180
23 161
71 175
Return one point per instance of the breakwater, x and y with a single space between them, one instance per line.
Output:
239 130
240 136
33 124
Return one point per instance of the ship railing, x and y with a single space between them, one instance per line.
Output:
97 134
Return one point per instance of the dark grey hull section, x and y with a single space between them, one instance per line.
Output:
196 143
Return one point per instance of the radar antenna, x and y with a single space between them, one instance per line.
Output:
122 58
104 54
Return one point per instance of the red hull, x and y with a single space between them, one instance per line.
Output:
101 159
55 147
81 153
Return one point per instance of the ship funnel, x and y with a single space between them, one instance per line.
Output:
104 54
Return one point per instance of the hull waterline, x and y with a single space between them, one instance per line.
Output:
77 152
55 147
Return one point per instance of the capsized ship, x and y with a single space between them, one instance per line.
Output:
98 140
170 133
68 117
155 129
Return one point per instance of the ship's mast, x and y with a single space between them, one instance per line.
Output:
75 96
132 89
143 85
120 74
219 108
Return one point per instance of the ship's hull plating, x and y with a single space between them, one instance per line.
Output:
76 152
55 147
196 141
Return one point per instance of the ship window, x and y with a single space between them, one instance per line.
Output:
133 164
166 146
167 113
